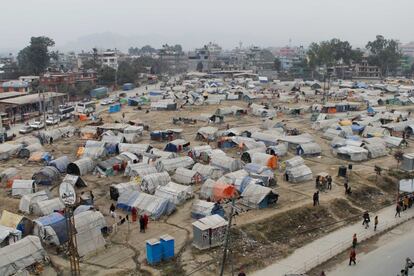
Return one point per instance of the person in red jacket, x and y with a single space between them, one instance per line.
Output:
352 257
145 216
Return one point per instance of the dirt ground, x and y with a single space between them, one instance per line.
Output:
259 237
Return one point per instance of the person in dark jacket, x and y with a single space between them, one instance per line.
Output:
141 224
398 210
316 198
354 240
352 257
366 219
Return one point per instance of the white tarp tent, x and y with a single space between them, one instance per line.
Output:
27 201
22 187
174 192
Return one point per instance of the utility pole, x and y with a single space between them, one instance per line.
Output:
72 243
226 242
44 109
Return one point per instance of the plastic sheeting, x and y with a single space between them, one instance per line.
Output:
27 151
81 166
171 165
27 201
89 236
174 192
60 163
186 176
138 149
152 205
47 176
216 191
8 150
208 171
20 255
139 169
22 187
225 163
115 190
151 181
46 207
51 228
8 175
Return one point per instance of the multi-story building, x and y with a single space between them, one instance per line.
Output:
408 49
363 70
109 58
204 59
173 57
53 81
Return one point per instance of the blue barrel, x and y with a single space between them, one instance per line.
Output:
154 250
167 244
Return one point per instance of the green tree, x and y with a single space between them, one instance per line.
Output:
35 58
126 72
385 54
106 75
277 64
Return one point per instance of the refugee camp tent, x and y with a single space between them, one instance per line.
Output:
208 171
8 175
279 150
171 165
187 177
370 131
209 232
27 151
309 149
139 169
89 132
57 133
132 134
241 183
376 150
94 150
393 142
264 159
331 133
207 133
51 229
22 187
407 163
9 235
175 193
162 154
60 163
352 153
216 191
151 181
294 162
27 201
258 197
112 141
46 207
154 206
137 149
74 181
226 163
8 150
81 166
46 176
88 232
16 221
40 156
177 145
19 255
298 174
202 208
230 178
117 189
265 174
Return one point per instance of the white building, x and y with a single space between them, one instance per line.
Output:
109 58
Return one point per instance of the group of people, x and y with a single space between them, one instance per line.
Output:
143 219
322 183
403 204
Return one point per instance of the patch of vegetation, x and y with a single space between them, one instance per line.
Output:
369 198
342 209
172 267
399 174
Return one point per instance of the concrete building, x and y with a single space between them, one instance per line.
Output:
365 71
205 58
174 58
408 49
109 58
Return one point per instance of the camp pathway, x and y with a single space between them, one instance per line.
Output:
321 250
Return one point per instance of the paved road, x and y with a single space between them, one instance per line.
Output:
322 249
387 259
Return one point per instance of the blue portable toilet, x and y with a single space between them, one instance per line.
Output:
115 108
154 250
167 244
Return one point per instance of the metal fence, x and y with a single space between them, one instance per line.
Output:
342 246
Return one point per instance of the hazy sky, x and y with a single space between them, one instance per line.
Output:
195 22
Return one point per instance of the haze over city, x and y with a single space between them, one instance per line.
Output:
80 24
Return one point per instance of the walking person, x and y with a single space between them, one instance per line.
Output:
91 196
354 240
375 223
398 210
352 257
134 214
112 210
141 224
366 219
329 179
405 202
316 198
346 186
145 216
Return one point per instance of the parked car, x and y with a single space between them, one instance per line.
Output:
26 129
52 120
38 124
